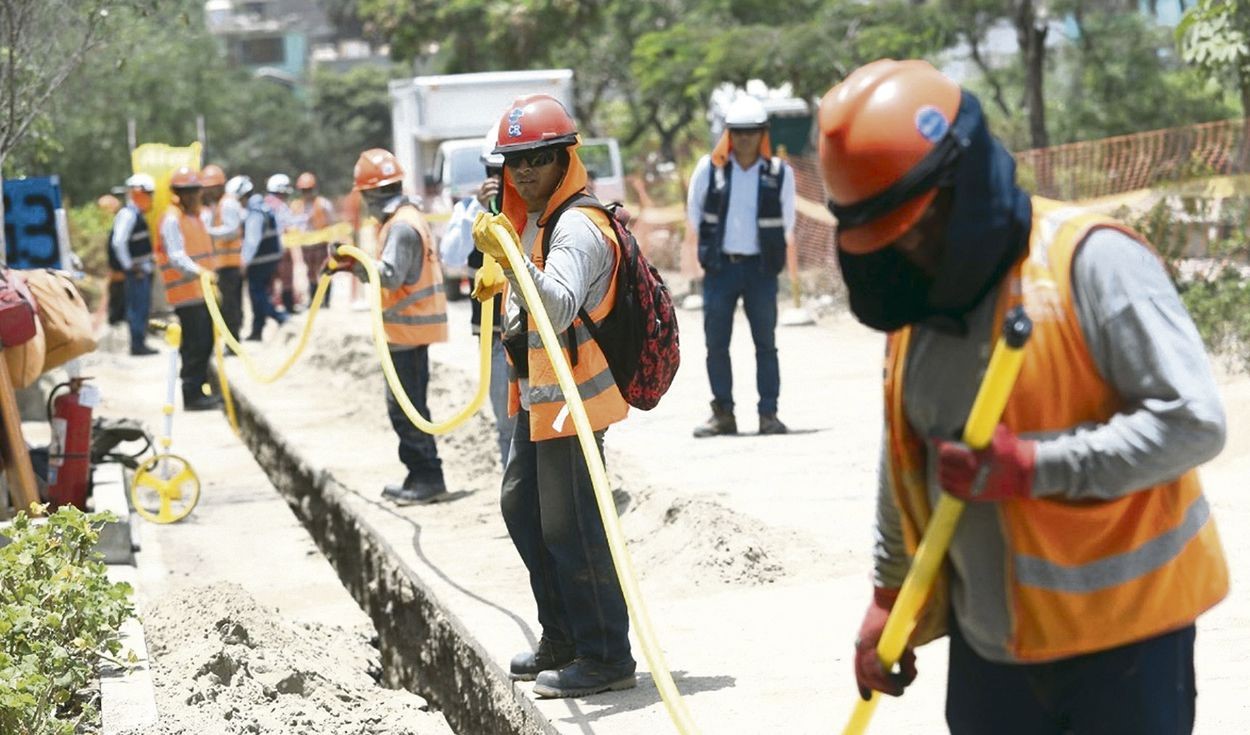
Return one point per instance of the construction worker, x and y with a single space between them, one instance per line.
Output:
262 249
223 218
317 213
548 501
186 253
414 316
130 252
456 249
741 203
1086 549
278 191
110 205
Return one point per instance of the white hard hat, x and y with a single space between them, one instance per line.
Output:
746 112
239 186
279 184
489 158
141 181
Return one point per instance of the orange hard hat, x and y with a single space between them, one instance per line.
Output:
875 127
306 180
377 167
109 203
185 178
212 175
535 121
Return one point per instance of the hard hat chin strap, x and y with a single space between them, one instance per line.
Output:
930 172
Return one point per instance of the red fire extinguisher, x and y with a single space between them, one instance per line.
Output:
69 455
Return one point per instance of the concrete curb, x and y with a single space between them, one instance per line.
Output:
425 648
127 698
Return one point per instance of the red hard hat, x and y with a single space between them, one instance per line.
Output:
875 126
185 178
535 121
306 180
377 167
212 175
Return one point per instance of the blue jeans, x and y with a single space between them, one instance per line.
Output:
417 449
722 288
1143 688
499 397
549 508
138 307
259 276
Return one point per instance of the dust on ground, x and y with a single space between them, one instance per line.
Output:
222 663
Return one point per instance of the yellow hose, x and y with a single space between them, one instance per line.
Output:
388 366
987 409
672 698
226 395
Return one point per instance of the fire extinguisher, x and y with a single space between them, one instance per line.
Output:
69 456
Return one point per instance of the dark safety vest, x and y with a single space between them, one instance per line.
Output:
270 249
770 224
140 246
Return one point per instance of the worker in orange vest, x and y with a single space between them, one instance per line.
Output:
548 500
223 217
316 213
414 316
1086 549
187 253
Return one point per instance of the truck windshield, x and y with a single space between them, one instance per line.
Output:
466 168
597 158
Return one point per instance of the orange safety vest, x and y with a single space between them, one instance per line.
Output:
549 418
181 289
318 219
415 313
229 252
1082 576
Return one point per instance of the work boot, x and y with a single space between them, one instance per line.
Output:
585 676
549 656
721 422
770 424
416 492
200 403
142 350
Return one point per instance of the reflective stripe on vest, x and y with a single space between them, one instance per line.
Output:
229 252
182 289
415 313
770 224
549 417
1082 576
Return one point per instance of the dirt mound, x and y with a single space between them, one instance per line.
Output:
224 664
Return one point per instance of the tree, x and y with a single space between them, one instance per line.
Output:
1214 36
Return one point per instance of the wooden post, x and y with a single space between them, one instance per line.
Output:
18 472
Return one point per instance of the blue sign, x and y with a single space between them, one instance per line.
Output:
30 222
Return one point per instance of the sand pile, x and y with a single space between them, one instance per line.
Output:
224 664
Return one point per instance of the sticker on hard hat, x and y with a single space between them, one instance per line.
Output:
388 168
514 123
931 123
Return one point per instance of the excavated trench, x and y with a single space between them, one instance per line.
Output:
424 648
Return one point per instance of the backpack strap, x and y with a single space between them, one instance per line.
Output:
581 199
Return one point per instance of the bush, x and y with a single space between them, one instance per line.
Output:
59 615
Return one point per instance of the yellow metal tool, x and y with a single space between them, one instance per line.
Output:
987 409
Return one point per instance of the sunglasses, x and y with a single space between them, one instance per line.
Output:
534 159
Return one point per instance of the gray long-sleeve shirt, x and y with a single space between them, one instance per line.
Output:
401 262
1146 347
576 274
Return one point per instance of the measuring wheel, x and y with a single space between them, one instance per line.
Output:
165 489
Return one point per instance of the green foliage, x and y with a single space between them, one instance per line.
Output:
1214 36
90 228
58 615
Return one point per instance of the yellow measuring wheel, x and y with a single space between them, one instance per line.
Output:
165 488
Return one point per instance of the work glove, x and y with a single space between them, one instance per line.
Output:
489 281
1001 471
869 674
484 235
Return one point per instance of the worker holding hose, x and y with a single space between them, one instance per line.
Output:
1086 549
548 501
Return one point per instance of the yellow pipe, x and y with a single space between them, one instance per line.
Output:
388 366
223 382
987 410
672 698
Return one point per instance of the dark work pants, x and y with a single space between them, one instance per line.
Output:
549 508
230 283
315 257
259 276
758 290
138 307
417 449
1144 688
117 300
197 345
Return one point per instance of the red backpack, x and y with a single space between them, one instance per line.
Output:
639 336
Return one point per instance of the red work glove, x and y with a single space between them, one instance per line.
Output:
869 674
1003 470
